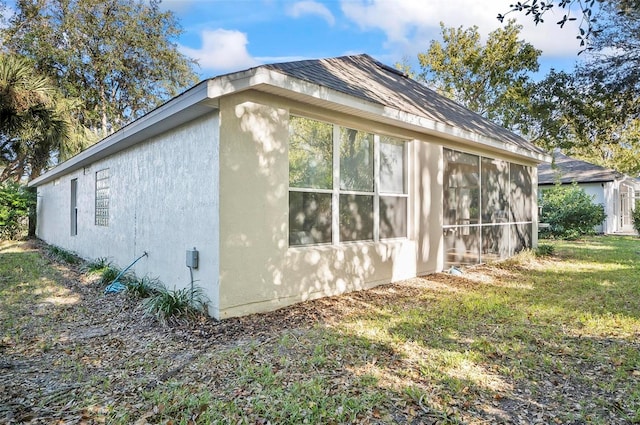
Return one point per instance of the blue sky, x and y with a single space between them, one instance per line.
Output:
231 35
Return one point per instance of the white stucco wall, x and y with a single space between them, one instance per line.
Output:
163 200
597 192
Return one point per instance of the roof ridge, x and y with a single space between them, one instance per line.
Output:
305 63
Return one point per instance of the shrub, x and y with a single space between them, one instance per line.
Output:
635 215
570 212
96 266
142 288
15 204
167 304
109 274
544 250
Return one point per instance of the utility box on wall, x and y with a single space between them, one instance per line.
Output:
192 258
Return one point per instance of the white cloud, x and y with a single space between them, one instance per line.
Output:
222 51
412 24
310 7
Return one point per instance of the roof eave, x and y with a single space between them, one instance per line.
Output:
179 110
274 82
203 97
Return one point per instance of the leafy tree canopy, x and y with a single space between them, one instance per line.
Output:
594 112
586 12
118 56
35 120
490 79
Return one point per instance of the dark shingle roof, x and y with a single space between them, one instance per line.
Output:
364 77
571 170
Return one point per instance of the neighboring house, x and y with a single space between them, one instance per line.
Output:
609 188
296 181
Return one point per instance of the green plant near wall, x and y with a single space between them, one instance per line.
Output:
15 203
636 216
142 288
174 304
570 211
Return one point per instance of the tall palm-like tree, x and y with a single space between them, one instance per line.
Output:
35 121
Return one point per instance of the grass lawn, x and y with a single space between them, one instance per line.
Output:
528 340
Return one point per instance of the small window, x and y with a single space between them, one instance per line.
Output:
74 207
392 160
393 188
393 217
102 197
356 218
309 218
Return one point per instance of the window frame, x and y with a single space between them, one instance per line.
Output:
101 213
336 191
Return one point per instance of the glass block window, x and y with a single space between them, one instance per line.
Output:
102 197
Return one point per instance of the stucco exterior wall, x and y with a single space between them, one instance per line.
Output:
220 183
162 200
258 269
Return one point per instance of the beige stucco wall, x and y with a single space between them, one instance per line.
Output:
258 270
220 183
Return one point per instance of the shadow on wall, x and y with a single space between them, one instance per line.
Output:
257 264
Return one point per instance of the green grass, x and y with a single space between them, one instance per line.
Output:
552 338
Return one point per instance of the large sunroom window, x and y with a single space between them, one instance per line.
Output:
345 185
487 208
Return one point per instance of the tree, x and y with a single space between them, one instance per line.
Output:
35 121
614 60
594 113
588 12
16 204
490 79
117 55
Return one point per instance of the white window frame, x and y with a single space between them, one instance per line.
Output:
335 191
